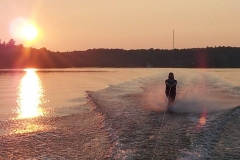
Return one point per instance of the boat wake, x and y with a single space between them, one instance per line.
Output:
199 129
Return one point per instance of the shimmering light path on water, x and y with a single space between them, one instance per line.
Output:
30 95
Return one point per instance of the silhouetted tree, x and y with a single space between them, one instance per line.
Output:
11 42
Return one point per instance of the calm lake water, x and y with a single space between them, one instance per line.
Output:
98 113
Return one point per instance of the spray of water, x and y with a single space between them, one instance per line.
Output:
197 93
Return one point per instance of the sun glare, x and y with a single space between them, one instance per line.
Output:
24 29
29 32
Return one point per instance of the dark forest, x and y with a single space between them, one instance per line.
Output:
14 56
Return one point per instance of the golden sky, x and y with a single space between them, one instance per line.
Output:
128 24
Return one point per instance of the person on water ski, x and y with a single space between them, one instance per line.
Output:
171 84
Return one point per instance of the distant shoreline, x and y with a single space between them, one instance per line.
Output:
19 57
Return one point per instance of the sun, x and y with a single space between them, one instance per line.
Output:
29 32
24 29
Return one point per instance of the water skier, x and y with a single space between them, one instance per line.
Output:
171 85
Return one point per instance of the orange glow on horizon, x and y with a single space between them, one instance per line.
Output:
146 25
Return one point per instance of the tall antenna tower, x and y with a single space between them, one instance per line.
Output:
173 39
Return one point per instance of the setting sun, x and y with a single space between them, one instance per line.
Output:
24 29
29 32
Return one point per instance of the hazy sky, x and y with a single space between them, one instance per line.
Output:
128 24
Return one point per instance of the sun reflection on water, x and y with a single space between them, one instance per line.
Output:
30 94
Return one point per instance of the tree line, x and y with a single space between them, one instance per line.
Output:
17 56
